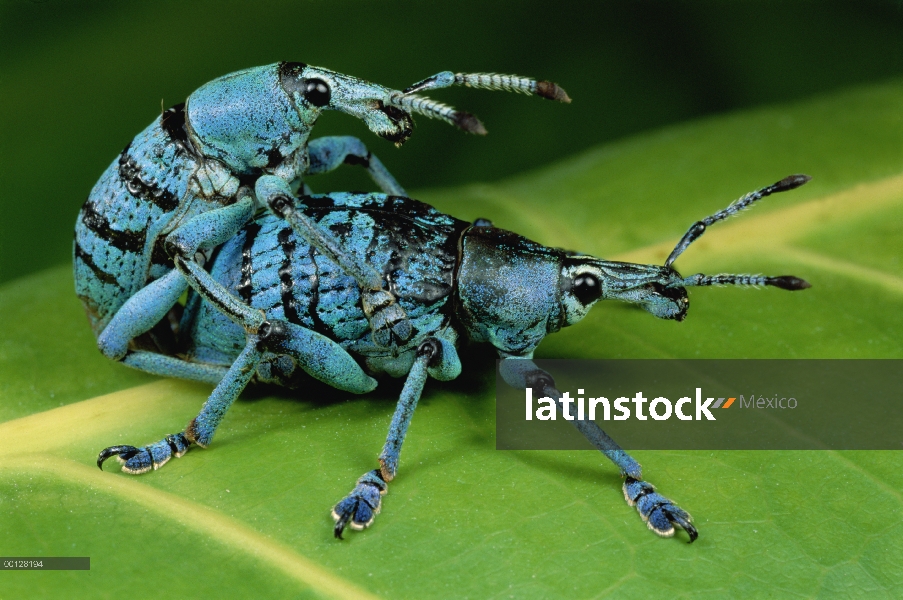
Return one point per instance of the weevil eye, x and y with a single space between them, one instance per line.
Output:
587 288
316 92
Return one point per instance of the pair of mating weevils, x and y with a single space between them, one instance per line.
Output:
286 285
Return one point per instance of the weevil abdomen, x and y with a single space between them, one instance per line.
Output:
118 247
271 269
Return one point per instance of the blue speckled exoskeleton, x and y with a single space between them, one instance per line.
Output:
456 282
199 173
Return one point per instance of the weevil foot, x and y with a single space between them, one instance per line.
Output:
388 321
360 507
659 513
136 461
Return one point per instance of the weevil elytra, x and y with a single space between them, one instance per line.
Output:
199 172
456 281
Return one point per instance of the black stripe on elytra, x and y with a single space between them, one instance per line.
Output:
319 326
285 277
123 240
247 265
149 192
102 275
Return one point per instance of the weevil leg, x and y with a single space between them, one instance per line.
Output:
150 305
217 295
169 366
201 429
208 230
360 507
317 355
138 315
659 513
388 321
328 153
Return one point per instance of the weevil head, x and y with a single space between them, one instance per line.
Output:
513 292
255 119
585 280
315 89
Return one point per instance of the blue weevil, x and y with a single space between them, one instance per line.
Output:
199 173
456 281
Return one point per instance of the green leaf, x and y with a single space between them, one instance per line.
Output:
250 515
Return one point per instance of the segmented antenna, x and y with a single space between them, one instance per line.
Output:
698 228
785 282
436 110
492 81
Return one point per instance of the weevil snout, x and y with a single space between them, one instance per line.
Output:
666 302
320 89
585 279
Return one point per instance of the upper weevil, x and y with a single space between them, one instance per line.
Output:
200 171
457 281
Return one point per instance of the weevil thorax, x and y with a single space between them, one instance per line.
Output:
508 289
250 120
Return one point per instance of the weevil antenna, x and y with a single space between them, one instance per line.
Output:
785 282
436 110
698 228
493 81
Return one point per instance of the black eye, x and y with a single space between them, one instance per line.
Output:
586 288
316 91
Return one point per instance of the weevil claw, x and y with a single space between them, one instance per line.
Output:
659 513
136 461
361 506
122 452
340 522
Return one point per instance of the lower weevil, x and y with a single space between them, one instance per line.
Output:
456 281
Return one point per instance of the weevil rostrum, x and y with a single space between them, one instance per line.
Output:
457 282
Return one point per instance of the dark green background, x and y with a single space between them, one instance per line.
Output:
80 79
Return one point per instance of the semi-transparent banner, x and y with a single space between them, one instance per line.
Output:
708 405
